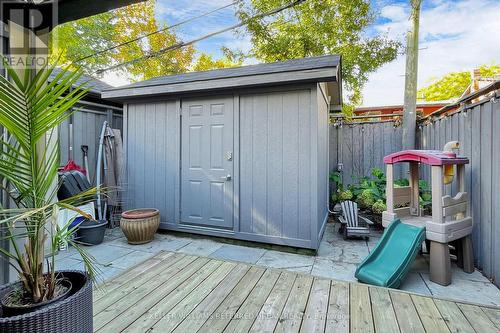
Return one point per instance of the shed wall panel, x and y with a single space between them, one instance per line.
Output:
275 186
322 188
86 129
152 157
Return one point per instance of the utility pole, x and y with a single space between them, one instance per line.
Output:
410 102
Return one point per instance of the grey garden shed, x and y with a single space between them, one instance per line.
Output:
239 153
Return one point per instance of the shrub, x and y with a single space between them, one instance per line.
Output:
366 199
369 192
379 206
345 195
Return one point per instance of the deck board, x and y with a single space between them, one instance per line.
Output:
295 307
494 316
361 319
477 318
429 315
209 304
226 311
273 306
183 293
453 317
317 307
383 312
406 313
337 319
246 314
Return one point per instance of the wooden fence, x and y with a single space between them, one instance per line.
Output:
360 147
477 128
357 148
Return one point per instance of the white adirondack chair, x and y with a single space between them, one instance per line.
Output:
353 223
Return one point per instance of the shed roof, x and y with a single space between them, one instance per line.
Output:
429 157
96 86
313 69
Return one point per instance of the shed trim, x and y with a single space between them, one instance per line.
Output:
315 69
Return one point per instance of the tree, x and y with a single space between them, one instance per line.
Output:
71 41
319 27
206 62
136 20
74 40
452 85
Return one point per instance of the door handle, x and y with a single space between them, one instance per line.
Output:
227 178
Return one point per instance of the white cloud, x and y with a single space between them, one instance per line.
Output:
115 79
394 12
454 36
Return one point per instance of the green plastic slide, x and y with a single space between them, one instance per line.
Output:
390 261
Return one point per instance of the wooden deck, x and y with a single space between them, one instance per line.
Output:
183 293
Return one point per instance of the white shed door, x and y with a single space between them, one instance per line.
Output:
207 162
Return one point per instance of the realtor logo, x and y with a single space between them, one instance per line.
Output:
26 27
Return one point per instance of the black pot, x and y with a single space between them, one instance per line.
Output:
16 310
72 314
91 232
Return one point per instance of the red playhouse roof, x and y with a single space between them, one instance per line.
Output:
429 157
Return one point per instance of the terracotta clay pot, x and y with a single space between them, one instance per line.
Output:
140 225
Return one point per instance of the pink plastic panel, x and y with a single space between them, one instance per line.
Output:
429 157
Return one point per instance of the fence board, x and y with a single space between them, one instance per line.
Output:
367 142
475 168
347 154
495 234
378 149
362 147
357 151
486 190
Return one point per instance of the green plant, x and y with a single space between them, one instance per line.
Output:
366 199
341 193
370 189
369 192
379 206
401 182
345 195
31 108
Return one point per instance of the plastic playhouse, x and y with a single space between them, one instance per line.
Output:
407 226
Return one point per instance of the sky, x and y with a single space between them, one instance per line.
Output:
455 35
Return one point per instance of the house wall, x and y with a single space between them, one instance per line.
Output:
281 194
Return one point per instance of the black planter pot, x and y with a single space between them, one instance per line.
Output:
72 314
91 232
10 310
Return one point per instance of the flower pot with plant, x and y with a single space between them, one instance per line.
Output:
43 299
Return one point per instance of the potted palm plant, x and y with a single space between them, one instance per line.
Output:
43 299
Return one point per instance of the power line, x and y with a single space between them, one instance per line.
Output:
184 44
156 32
